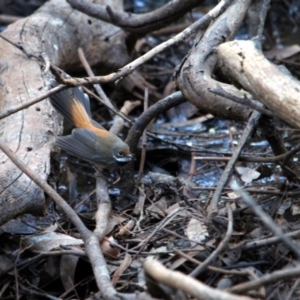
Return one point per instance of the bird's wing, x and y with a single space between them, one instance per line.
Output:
81 143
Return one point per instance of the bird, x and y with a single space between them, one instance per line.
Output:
89 140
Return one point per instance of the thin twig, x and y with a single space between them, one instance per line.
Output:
144 138
282 157
90 72
145 118
8 19
201 268
211 268
115 111
262 19
249 190
186 283
163 223
21 48
93 249
252 123
266 279
118 123
137 23
266 219
33 101
269 241
293 289
244 101
129 68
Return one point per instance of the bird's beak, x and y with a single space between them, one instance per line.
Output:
124 160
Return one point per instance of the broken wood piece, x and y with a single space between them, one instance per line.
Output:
268 83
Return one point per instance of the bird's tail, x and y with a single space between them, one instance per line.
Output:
74 105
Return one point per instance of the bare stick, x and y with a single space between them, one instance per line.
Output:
93 250
282 157
252 123
290 273
269 241
266 219
31 102
250 190
104 207
145 118
129 68
162 224
220 248
185 283
118 123
244 101
89 92
144 138
293 289
89 71
262 18
138 23
8 19
211 268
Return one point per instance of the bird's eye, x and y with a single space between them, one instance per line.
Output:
120 153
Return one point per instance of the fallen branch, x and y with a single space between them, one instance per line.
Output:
185 283
268 83
90 239
137 23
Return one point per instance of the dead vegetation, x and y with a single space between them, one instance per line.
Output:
209 209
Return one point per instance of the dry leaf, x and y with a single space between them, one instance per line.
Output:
113 222
283 53
126 229
178 262
196 231
48 241
124 265
247 174
158 209
232 195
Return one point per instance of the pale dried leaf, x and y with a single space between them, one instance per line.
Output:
158 208
114 221
122 268
51 228
171 208
233 195
178 262
126 229
247 174
196 231
48 241
295 209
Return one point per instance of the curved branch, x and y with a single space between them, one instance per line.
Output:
129 68
138 23
196 79
142 122
156 271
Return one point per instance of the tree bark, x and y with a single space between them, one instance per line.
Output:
268 83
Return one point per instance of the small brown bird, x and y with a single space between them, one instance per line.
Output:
89 141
